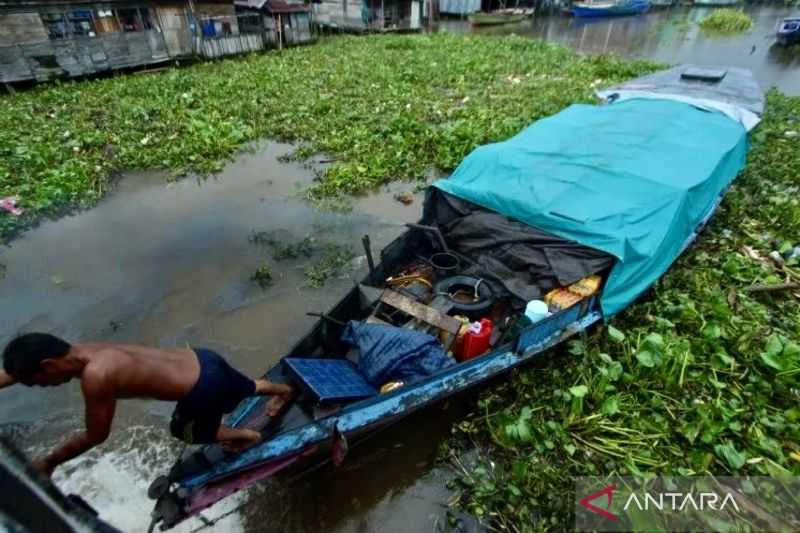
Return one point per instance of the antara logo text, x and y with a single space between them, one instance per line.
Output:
681 501
671 501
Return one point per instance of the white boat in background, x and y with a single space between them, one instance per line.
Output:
716 3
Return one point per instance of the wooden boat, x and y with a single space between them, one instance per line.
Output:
788 31
716 3
502 16
662 3
612 8
627 215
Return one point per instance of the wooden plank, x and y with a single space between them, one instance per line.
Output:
427 314
376 320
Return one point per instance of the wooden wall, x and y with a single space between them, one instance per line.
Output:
344 14
18 28
175 29
347 14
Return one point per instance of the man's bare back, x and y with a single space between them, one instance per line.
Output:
201 381
140 371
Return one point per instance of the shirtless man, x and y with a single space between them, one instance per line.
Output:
201 381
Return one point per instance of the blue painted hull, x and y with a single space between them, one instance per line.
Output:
618 10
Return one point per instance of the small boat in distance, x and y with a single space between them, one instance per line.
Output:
500 16
609 8
789 31
716 3
662 3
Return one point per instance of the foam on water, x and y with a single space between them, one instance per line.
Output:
114 479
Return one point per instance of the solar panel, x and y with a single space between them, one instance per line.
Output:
330 380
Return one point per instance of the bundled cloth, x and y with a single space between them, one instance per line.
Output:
9 204
388 353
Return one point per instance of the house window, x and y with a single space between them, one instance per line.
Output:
81 23
130 20
55 24
105 21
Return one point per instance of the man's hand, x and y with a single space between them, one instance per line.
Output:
43 466
100 403
6 379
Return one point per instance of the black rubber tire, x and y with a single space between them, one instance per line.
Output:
473 310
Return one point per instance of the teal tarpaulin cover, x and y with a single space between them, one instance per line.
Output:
634 179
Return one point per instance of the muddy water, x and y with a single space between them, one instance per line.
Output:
671 36
168 264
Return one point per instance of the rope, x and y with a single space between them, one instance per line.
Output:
210 523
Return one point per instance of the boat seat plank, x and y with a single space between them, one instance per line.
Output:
425 313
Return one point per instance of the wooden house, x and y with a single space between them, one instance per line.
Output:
370 15
285 22
44 39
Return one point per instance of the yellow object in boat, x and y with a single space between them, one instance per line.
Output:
559 299
586 287
390 386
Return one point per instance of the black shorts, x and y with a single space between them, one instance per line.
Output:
218 391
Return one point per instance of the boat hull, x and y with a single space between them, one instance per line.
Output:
495 21
498 18
618 10
716 3
789 32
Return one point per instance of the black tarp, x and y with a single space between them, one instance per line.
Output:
512 256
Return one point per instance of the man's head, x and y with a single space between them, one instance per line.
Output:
39 359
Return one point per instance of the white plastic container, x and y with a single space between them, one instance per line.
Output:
536 310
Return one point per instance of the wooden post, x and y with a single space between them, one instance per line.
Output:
280 32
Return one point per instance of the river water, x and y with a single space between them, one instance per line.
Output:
168 263
671 36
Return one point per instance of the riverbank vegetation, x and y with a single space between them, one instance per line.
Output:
727 21
702 376
384 107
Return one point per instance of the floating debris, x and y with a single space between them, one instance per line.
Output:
293 250
405 198
9 204
262 276
332 264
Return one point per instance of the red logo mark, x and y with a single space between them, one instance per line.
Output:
609 492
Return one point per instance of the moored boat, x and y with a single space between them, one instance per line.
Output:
581 234
788 31
715 3
502 16
611 8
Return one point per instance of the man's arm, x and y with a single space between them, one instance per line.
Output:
100 402
6 380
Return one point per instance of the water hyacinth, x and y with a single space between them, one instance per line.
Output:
385 107
727 21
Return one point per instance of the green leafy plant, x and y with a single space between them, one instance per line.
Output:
334 261
727 21
263 276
